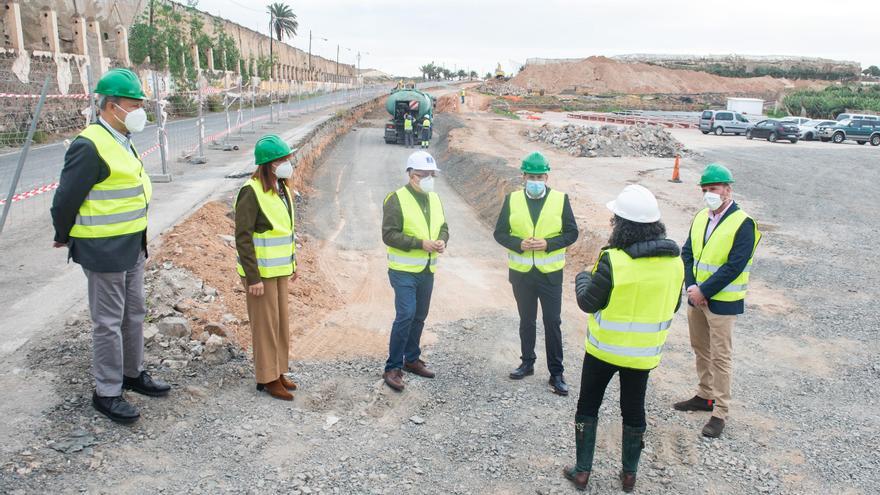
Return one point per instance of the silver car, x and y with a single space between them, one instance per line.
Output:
723 122
810 130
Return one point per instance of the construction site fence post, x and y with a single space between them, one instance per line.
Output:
93 113
24 153
160 131
200 124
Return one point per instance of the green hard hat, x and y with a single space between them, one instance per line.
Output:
535 163
120 82
270 148
716 173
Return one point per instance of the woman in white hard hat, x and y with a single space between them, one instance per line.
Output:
628 323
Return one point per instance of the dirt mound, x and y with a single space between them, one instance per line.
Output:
601 75
203 244
609 140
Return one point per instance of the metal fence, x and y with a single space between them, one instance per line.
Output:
184 126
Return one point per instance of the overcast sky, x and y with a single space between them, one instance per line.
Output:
400 36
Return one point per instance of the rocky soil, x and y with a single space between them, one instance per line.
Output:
609 140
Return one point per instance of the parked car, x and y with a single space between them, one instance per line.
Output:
850 116
723 121
796 120
810 129
773 130
858 130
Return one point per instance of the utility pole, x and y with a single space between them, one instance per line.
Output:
337 67
310 52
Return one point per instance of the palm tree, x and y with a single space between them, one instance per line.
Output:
282 21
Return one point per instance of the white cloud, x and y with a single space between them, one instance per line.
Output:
402 35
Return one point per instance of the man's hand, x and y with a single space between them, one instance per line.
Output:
440 246
429 245
293 277
695 296
256 289
532 244
59 244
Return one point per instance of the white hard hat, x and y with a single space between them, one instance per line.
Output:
637 204
421 160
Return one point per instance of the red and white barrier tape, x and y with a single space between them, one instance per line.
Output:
69 97
33 192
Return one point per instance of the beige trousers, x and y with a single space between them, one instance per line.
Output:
270 329
712 341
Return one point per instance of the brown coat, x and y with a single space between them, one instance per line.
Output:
249 219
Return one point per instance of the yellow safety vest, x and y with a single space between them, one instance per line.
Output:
710 256
549 225
118 204
275 248
631 330
462 92
407 124
426 124
416 225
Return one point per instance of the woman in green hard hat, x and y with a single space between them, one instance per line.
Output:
264 239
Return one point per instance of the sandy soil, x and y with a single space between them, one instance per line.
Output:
601 75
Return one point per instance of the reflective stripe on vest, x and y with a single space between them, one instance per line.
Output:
631 330
274 249
416 225
118 204
549 225
711 255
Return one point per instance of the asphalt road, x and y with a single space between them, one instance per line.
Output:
44 162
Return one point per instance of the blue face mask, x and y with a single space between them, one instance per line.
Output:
535 188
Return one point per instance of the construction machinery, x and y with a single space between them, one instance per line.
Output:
403 101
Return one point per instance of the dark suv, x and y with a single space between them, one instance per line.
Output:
774 130
860 131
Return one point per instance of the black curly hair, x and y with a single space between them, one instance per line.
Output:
625 232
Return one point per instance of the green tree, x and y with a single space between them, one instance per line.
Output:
872 71
283 20
461 74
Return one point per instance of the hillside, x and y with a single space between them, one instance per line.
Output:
602 75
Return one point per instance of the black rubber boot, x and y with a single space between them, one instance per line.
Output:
585 445
633 441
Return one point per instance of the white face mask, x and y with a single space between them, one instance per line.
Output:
284 171
426 184
713 200
135 120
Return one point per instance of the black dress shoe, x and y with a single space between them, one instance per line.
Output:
146 385
523 371
559 385
115 408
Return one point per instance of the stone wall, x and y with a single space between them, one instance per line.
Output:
97 32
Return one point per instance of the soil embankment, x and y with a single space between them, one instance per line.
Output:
601 75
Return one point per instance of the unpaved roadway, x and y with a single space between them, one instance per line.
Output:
803 420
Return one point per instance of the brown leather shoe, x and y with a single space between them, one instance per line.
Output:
580 479
628 480
394 379
287 382
275 389
713 428
418 367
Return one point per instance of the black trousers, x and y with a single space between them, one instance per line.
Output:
633 383
528 290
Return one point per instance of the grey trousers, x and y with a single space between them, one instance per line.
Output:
118 307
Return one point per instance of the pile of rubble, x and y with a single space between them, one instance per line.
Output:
175 300
609 140
501 88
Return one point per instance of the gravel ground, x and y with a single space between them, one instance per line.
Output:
804 419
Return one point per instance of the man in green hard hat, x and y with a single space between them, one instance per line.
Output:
536 225
717 261
100 215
